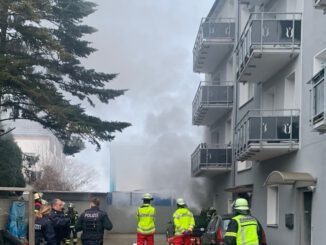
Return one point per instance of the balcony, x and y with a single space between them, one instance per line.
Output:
210 160
318 92
265 134
214 40
212 101
268 43
320 4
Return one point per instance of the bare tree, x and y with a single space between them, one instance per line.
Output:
66 176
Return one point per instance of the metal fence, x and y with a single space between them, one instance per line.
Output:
267 126
211 157
268 30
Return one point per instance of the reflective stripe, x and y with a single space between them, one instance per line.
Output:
232 234
243 237
146 215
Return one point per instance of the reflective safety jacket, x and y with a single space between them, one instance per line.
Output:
183 221
146 219
246 233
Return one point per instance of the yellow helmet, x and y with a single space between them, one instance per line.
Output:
181 202
241 204
147 196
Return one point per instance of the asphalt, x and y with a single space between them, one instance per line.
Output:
130 239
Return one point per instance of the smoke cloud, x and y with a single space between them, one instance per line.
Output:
149 43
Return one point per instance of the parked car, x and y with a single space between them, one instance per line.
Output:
216 229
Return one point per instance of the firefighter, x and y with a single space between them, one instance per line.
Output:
73 216
146 221
184 223
243 228
93 222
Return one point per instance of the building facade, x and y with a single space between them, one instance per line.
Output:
33 140
263 108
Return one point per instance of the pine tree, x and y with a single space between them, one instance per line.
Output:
10 163
41 44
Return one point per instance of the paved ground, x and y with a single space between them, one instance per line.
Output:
123 239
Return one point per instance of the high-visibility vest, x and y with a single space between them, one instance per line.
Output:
247 233
183 221
146 219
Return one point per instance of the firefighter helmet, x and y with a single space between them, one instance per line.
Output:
241 204
147 196
181 202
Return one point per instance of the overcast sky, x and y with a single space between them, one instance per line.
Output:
149 43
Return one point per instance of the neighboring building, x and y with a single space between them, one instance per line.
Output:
34 140
263 106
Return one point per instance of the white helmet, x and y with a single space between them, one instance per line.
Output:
181 202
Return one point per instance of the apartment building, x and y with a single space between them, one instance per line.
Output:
263 108
34 140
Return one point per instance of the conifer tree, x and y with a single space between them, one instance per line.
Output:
41 47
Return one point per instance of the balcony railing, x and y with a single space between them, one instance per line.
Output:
212 33
268 31
318 93
211 101
264 134
209 160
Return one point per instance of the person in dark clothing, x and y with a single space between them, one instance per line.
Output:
93 222
7 239
44 232
59 221
243 228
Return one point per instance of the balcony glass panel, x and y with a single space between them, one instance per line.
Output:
209 47
211 96
211 157
266 127
268 30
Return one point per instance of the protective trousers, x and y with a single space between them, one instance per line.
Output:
182 240
143 239
71 240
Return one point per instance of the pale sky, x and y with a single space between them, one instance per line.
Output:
149 43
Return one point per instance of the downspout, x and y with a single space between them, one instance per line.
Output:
235 88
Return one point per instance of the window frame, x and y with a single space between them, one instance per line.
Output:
272 219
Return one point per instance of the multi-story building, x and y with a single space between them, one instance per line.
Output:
263 107
33 140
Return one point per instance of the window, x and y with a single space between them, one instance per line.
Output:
318 92
272 205
246 93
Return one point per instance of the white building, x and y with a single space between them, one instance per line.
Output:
263 107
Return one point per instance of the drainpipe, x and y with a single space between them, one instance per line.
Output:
235 88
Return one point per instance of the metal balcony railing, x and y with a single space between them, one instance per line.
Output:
263 127
211 157
210 94
268 30
318 96
212 29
